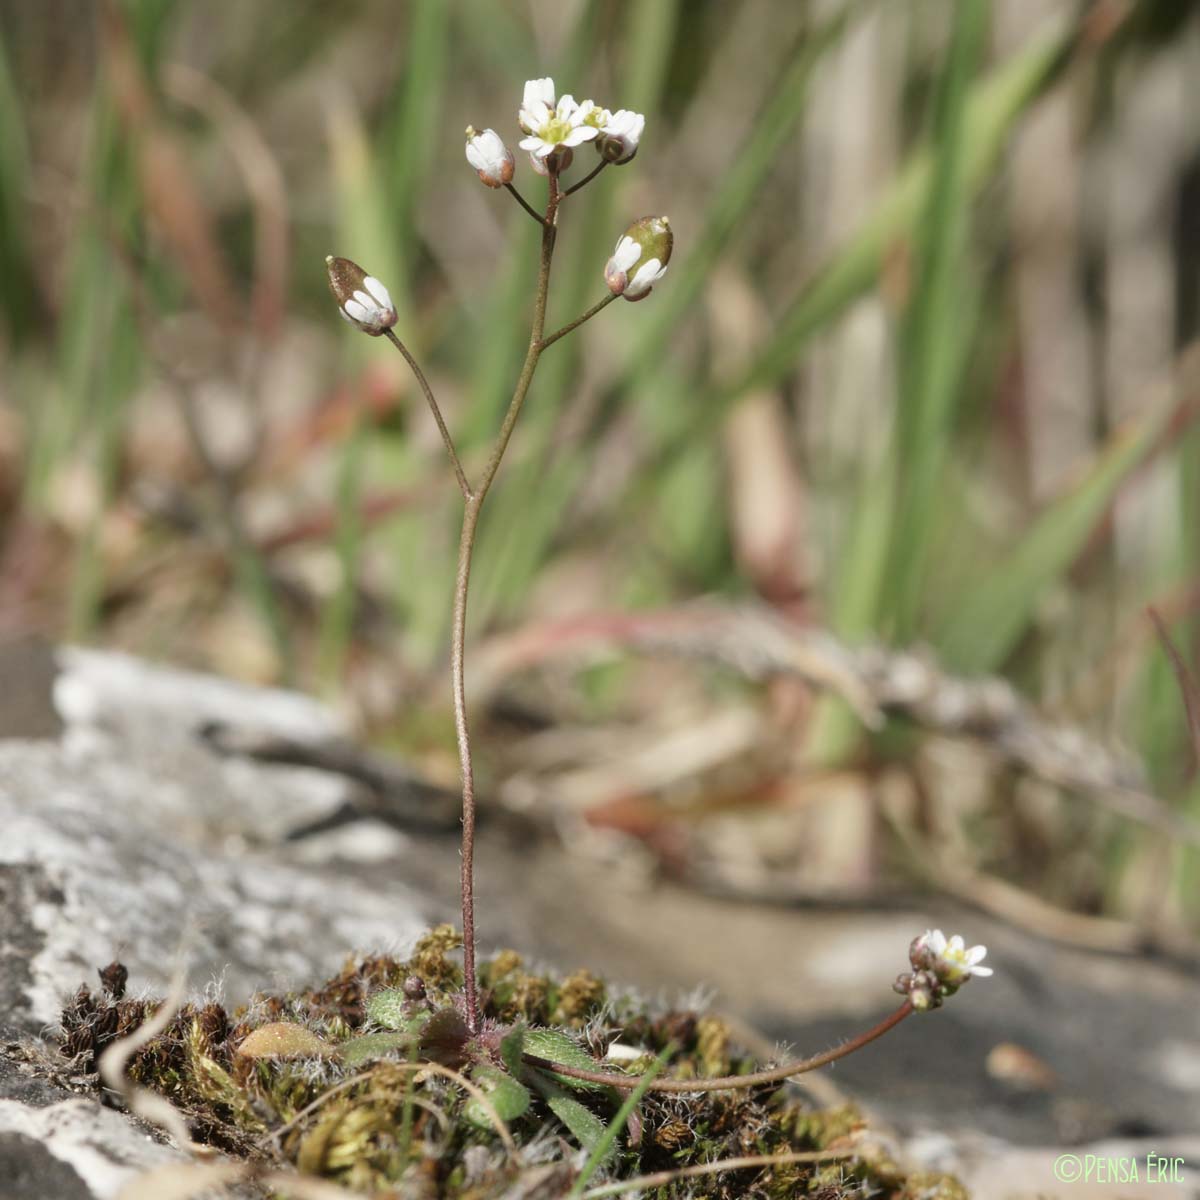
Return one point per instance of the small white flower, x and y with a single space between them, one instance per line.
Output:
491 158
550 124
537 92
620 133
949 959
362 300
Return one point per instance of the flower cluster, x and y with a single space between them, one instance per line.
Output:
940 967
553 125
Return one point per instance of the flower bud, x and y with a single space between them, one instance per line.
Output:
922 989
640 259
560 160
491 158
618 139
361 299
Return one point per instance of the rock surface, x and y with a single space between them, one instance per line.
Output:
126 836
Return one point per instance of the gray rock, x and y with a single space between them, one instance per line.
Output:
129 838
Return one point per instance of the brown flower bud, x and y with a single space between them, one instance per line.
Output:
361 299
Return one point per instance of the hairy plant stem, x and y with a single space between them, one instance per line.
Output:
459 473
466 547
724 1083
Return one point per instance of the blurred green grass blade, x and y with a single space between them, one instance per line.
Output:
651 41
934 335
365 233
409 149
992 110
338 614
60 418
115 374
364 228
735 194
990 619
604 1147
19 300
499 346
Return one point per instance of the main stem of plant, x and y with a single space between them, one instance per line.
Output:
466 546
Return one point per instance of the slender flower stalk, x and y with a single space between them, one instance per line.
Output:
459 473
724 1083
533 212
587 178
551 338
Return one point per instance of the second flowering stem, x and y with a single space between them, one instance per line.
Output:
725 1083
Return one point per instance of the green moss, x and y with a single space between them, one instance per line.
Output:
364 1115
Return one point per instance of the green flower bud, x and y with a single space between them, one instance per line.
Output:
640 259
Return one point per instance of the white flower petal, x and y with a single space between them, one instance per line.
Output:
357 311
544 149
378 292
982 971
582 133
648 274
539 91
532 143
620 1052
936 940
626 253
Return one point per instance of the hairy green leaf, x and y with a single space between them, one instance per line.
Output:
509 1098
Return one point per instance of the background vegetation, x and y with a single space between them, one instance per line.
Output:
922 374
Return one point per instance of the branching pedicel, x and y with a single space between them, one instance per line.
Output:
554 127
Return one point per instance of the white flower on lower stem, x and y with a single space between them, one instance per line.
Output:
549 127
948 958
491 158
620 133
362 300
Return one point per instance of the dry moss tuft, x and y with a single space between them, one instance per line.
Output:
368 1120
